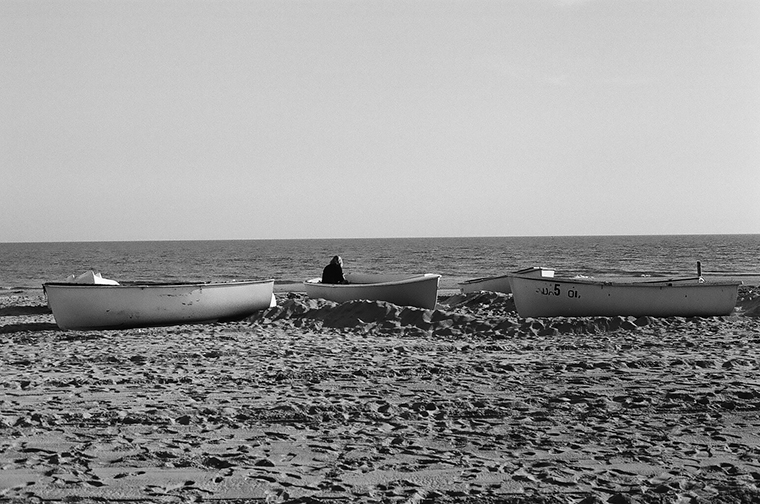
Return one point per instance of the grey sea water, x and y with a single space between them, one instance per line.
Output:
28 265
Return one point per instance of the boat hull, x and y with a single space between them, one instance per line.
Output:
540 297
419 290
92 307
501 283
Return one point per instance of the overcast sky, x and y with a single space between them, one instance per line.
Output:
163 120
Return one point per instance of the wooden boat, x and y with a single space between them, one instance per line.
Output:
501 283
685 297
415 290
97 306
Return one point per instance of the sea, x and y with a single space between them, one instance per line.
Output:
28 265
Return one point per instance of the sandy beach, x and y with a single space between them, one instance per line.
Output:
312 401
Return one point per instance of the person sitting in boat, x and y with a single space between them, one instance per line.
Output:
333 272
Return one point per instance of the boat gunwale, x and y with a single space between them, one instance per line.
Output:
667 282
482 279
142 284
507 275
412 279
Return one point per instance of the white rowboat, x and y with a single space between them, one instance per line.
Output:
90 307
415 290
688 297
501 283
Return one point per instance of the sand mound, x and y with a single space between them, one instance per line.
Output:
484 314
354 314
748 301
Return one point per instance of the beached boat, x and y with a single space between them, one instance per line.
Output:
106 306
582 297
408 290
501 283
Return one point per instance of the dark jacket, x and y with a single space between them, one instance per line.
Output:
333 274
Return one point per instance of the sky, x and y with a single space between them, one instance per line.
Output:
269 119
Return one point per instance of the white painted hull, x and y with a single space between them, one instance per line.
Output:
501 283
541 297
89 307
418 290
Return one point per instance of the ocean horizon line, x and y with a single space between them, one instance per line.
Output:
195 240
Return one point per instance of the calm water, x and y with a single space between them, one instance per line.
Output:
28 265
